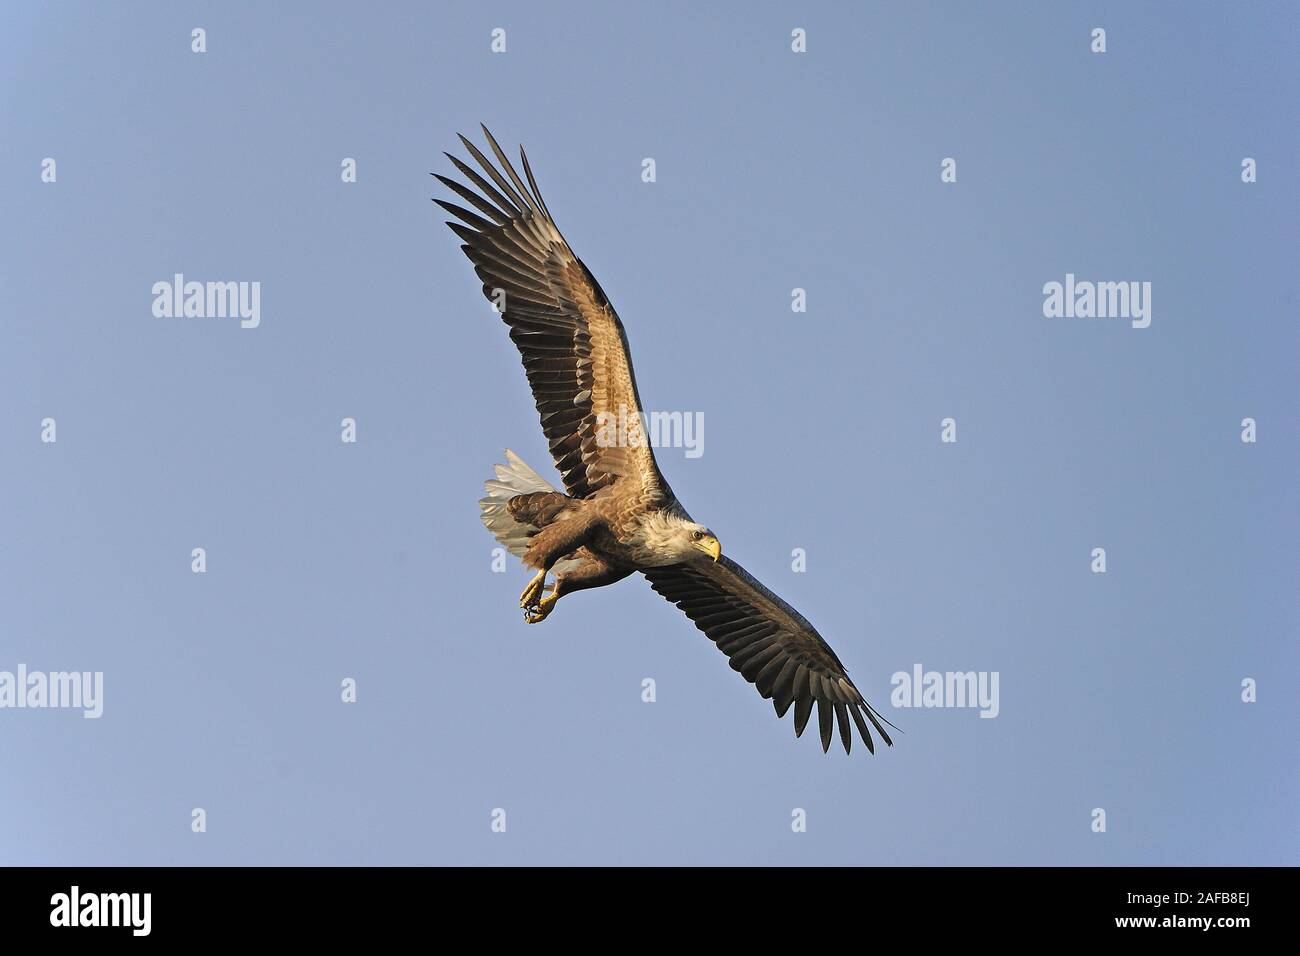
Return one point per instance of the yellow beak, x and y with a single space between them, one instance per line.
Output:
710 546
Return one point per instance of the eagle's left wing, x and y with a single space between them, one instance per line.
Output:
569 337
771 644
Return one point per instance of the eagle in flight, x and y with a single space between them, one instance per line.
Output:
617 514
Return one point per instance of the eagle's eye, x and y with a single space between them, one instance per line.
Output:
697 535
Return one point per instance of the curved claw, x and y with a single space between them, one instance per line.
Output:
532 590
539 612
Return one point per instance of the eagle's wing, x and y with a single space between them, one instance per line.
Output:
771 644
572 342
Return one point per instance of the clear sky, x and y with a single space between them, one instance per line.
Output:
775 170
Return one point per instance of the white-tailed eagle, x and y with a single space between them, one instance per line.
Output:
617 514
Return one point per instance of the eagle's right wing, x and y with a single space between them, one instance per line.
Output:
771 644
572 343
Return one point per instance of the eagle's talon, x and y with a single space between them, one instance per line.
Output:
539 611
532 590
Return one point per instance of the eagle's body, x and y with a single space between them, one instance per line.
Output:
616 514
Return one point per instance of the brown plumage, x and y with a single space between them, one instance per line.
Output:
617 515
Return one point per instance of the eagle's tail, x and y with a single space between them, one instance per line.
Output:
513 478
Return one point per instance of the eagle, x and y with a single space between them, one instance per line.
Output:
617 515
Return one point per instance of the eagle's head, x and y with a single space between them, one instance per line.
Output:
676 539
692 542
705 541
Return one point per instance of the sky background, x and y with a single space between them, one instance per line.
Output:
774 171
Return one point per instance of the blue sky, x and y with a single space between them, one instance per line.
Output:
774 171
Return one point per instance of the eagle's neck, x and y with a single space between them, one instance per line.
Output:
662 537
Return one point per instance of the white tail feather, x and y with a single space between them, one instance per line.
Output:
513 478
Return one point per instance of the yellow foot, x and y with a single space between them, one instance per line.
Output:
532 590
535 614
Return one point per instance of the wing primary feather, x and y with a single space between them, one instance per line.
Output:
497 178
862 729
781 703
478 222
783 686
537 193
509 168
802 710
765 679
872 715
801 682
842 718
824 722
506 205
474 199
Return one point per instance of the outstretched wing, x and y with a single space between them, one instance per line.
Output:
772 646
572 342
